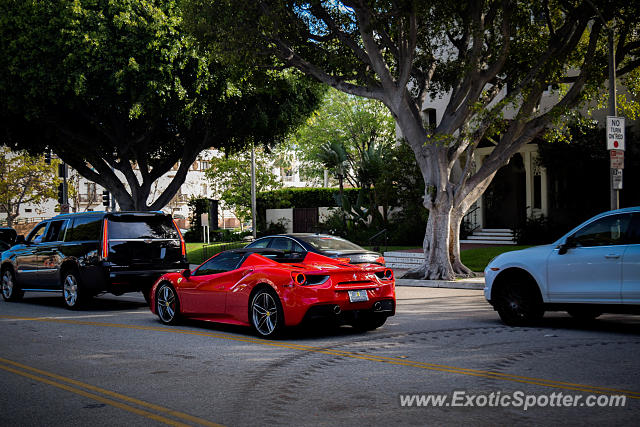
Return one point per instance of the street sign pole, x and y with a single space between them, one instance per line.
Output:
615 201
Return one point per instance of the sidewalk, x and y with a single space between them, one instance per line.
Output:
474 283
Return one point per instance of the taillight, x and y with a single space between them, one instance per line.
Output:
105 239
183 247
299 278
347 260
380 260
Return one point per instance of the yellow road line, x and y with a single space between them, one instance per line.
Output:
177 414
354 355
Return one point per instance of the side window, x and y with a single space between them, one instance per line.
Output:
225 261
610 230
298 249
282 244
85 228
261 243
36 234
55 231
633 234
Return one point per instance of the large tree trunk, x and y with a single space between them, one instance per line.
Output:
461 270
437 263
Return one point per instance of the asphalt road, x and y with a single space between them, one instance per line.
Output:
115 364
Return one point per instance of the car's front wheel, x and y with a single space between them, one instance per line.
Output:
10 289
167 304
266 315
74 294
518 304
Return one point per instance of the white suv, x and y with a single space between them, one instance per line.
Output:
593 269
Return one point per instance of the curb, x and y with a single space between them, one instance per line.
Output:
449 284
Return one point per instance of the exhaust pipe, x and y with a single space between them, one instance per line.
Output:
336 309
377 306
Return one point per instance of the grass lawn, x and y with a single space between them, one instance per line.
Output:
198 252
478 258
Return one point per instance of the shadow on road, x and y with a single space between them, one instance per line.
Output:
100 303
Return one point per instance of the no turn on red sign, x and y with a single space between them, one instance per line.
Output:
615 133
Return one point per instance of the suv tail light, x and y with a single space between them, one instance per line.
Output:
183 247
105 239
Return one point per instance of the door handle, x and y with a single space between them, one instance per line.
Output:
612 256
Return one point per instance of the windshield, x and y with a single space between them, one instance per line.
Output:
330 243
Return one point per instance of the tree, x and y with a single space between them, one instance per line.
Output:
338 135
25 179
231 174
122 94
494 60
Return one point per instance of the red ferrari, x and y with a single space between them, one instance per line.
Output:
266 289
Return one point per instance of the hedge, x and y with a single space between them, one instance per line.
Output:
286 198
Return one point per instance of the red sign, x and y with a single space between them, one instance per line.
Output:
617 159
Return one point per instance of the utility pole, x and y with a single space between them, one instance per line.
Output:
253 190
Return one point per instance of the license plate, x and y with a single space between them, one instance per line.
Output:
358 296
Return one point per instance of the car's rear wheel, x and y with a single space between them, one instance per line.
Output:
167 304
266 315
74 294
369 322
518 304
584 314
10 289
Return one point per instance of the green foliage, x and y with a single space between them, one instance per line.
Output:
119 84
232 174
303 197
340 136
25 179
197 206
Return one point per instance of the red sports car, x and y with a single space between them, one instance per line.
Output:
266 289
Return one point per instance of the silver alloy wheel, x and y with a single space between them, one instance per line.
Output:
166 304
7 284
70 290
264 311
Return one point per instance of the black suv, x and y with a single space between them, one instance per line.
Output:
85 254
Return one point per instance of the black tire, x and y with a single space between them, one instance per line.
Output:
369 322
74 294
167 304
519 304
11 291
266 314
584 314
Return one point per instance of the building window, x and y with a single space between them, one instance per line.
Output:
204 165
28 210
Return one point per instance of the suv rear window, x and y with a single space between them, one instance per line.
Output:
142 227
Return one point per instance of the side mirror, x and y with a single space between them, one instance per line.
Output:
20 239
186 273
568 244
